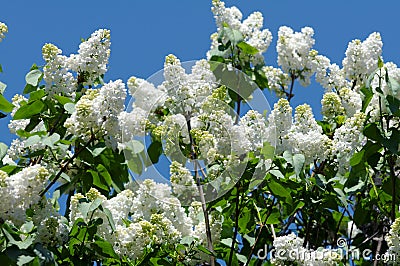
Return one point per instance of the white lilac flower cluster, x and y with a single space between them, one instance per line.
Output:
278 81
295 54
56 74
362 57
90 63
3 30
330 76
289 249
194 100
305 135
52 227
347 139
96 113
182 181
20 192
393 241
92 58
143 217
301 133
250 28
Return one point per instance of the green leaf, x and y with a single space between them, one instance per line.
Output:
62 99
227 242
250 239
276 173
205 250
69 107
36 95
109 218
357 158
5 105
29 110
29 88
298 163
105 249
380 62
135 146
241 258
268 151
3 150
33 77
273 218
372 131
98 181
2 87
247 48
278 190
233 35
23 260
394 105
86 207
51 140
187 240
97 151
342 196
34 121
104 173
32 140
154 151
367 91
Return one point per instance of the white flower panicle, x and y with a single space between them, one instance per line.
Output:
393 242
52 231
186 92
149 215
279 123
228 15
146 96
133 123
97 112
182 181
253 125
351 101
330 76
362 57
250 28
3 30
294 52
290 250
20 192
278 81
92 58
15 125
331 106
58 78
347 140
305 136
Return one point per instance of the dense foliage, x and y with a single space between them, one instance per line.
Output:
246 186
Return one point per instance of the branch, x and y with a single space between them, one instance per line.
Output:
290 94
65 166
201 192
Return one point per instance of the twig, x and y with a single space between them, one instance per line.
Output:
201 193
65 166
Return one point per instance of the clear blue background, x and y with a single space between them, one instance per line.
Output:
144 32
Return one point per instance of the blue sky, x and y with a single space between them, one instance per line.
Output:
144 32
